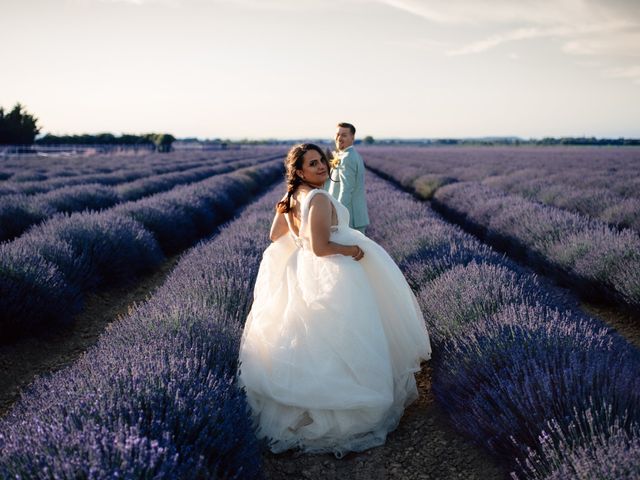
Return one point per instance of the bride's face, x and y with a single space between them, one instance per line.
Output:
314 170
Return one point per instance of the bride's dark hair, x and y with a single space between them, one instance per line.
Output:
292 163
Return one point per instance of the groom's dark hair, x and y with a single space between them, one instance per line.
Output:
349 126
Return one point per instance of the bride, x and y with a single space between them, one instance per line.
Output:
334 335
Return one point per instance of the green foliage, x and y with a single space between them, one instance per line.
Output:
368 140
587 141
99 139
162 141
18 127
426 185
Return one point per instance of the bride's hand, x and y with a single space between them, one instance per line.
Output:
358 253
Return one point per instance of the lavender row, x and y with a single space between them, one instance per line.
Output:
26 172
104 176
48 269
598 261
590 256
549 391
107 175
156 397
37 168
595 202
410 232
600 183
19 212
615 169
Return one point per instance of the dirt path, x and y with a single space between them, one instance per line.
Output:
624 322
23 360
423 446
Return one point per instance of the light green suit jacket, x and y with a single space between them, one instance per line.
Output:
348 187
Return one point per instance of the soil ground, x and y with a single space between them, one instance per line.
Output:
22 361
424 446
626 323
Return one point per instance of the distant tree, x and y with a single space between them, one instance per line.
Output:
105 138
18 127
368 140
127 139
447 141
162 141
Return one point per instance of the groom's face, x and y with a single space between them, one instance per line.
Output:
344 138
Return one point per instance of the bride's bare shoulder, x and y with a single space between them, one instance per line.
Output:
320 201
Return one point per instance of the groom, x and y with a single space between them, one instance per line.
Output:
347 178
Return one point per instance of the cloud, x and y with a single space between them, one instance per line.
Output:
494 12
427 44
604 31
578 44
631 72
582 47
621 43
589 63
600 30
172 3
498 39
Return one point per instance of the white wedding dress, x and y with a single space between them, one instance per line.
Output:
331 345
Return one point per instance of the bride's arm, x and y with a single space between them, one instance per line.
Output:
279 227
320 229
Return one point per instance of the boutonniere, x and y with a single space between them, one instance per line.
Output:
336 158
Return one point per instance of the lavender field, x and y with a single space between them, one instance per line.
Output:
546 390
48 268
570 212
25 203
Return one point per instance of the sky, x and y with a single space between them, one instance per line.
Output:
292 69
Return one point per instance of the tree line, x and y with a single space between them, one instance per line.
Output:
19 127
587 141
161 141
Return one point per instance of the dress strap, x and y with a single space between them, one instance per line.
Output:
304 208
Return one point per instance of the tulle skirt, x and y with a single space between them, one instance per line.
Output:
330 347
